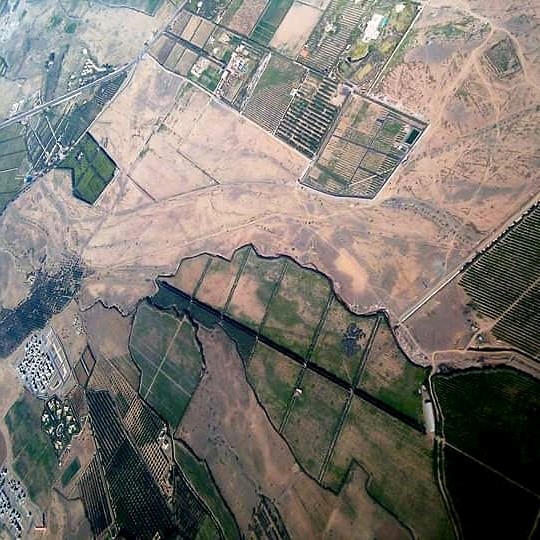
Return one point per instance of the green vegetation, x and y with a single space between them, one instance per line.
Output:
487 505
91 168
70 27
254 289
273 376
166 351
12 158
201 479
493 416
55 21
208 530
268 24
313 420
34 459
297 307
70 472
400 463
391 377
331 352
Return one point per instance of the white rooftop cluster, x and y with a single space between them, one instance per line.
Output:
36 369
12 495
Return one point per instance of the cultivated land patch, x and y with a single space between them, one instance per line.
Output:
390 376
12 160
342 340
189 274
400 463
313 420
164 348
91 169
269 22
273 377
369 142
243 15
487 504
491 415
34 459
296 308
200 477
504 285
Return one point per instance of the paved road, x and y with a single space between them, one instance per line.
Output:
74 93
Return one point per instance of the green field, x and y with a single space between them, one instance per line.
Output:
12 156
296 309
313 420
487 505
400 463
254 289
165 349
493 416
272 376
34 459
331 352
70 472
391 377
271 19
201 479
91 168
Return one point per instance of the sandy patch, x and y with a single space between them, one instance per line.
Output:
356 275
295 28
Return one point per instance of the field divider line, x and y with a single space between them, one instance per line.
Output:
274 292
490 468
320 325
292 399
164 357
365 354
236 280
335 437
201 278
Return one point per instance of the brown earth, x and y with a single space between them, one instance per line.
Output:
226 426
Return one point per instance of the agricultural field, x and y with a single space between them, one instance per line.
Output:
200 477
342 340
166 351
273 377
487 505
399 461
275 12
383 26
296 308
313 420
271 97
12 162
503 59
254 289
69 473
209 9
369 142
91 169
190 273
219 279
242 15
492 415
390 376
311 114
34 459
502 284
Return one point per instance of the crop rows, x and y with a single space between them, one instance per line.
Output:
310 115
270 99
324 54
504 275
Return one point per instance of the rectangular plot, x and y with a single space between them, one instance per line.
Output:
254 289
189 273
313 420
273 377
219 279
342 341
391 377
296 308
168 400
268 24
243 15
